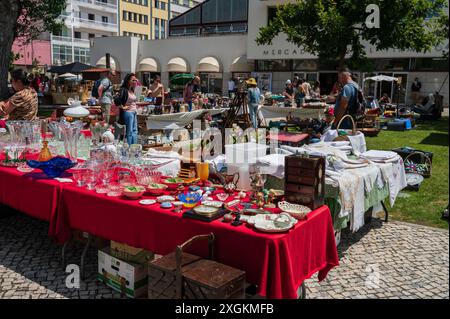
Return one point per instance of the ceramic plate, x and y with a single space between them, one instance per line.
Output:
162 199
205 210
216 204
272 223
147 202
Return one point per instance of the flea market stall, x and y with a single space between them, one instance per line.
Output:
271 206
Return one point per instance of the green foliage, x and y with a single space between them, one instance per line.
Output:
38 16
334 30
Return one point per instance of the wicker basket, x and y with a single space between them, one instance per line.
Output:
352 133
418 163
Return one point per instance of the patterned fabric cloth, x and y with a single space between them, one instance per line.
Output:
23 105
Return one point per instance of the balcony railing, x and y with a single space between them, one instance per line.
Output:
95 23
69 39
99 3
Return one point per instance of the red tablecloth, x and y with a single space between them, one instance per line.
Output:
277 263
29 193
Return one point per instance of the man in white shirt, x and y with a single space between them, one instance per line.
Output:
231 88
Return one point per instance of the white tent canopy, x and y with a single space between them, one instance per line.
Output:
177 65
381 78
148 65
67 75
208 64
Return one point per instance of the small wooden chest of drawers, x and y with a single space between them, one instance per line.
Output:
305 180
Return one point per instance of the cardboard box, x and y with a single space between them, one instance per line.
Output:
128 278
124 251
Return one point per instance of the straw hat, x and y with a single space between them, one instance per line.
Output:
251 81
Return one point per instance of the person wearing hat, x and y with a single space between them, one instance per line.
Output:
254 97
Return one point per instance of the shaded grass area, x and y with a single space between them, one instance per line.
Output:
425 206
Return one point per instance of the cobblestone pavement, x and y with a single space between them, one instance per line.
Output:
393 260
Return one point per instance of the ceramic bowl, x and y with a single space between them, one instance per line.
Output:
156 189
296 211
190 199
173 183
133 192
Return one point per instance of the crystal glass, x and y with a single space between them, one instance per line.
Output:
78 176
71 133
115 190
90 178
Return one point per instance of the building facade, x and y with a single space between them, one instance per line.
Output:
34 56
149 19
217 41
83 21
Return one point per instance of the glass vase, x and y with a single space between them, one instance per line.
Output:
71 134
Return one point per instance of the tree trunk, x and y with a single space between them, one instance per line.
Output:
9 13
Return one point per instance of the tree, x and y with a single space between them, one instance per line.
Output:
24 19
337 30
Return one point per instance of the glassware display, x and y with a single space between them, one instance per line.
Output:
71 133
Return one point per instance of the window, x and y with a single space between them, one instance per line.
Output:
135 17
105 19
91 16
146 19
77 35
81 55
130 16
157 4
91 35
125 15
162 5
156 28
62 54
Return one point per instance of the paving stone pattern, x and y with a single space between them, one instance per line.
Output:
393 260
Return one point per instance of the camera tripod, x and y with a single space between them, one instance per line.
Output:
243 120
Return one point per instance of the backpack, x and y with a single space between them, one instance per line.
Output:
96 86
357 109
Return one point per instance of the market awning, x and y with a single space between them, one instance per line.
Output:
148 65
241 64
208 64
177 65
74 68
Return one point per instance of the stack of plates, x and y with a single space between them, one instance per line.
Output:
380 156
